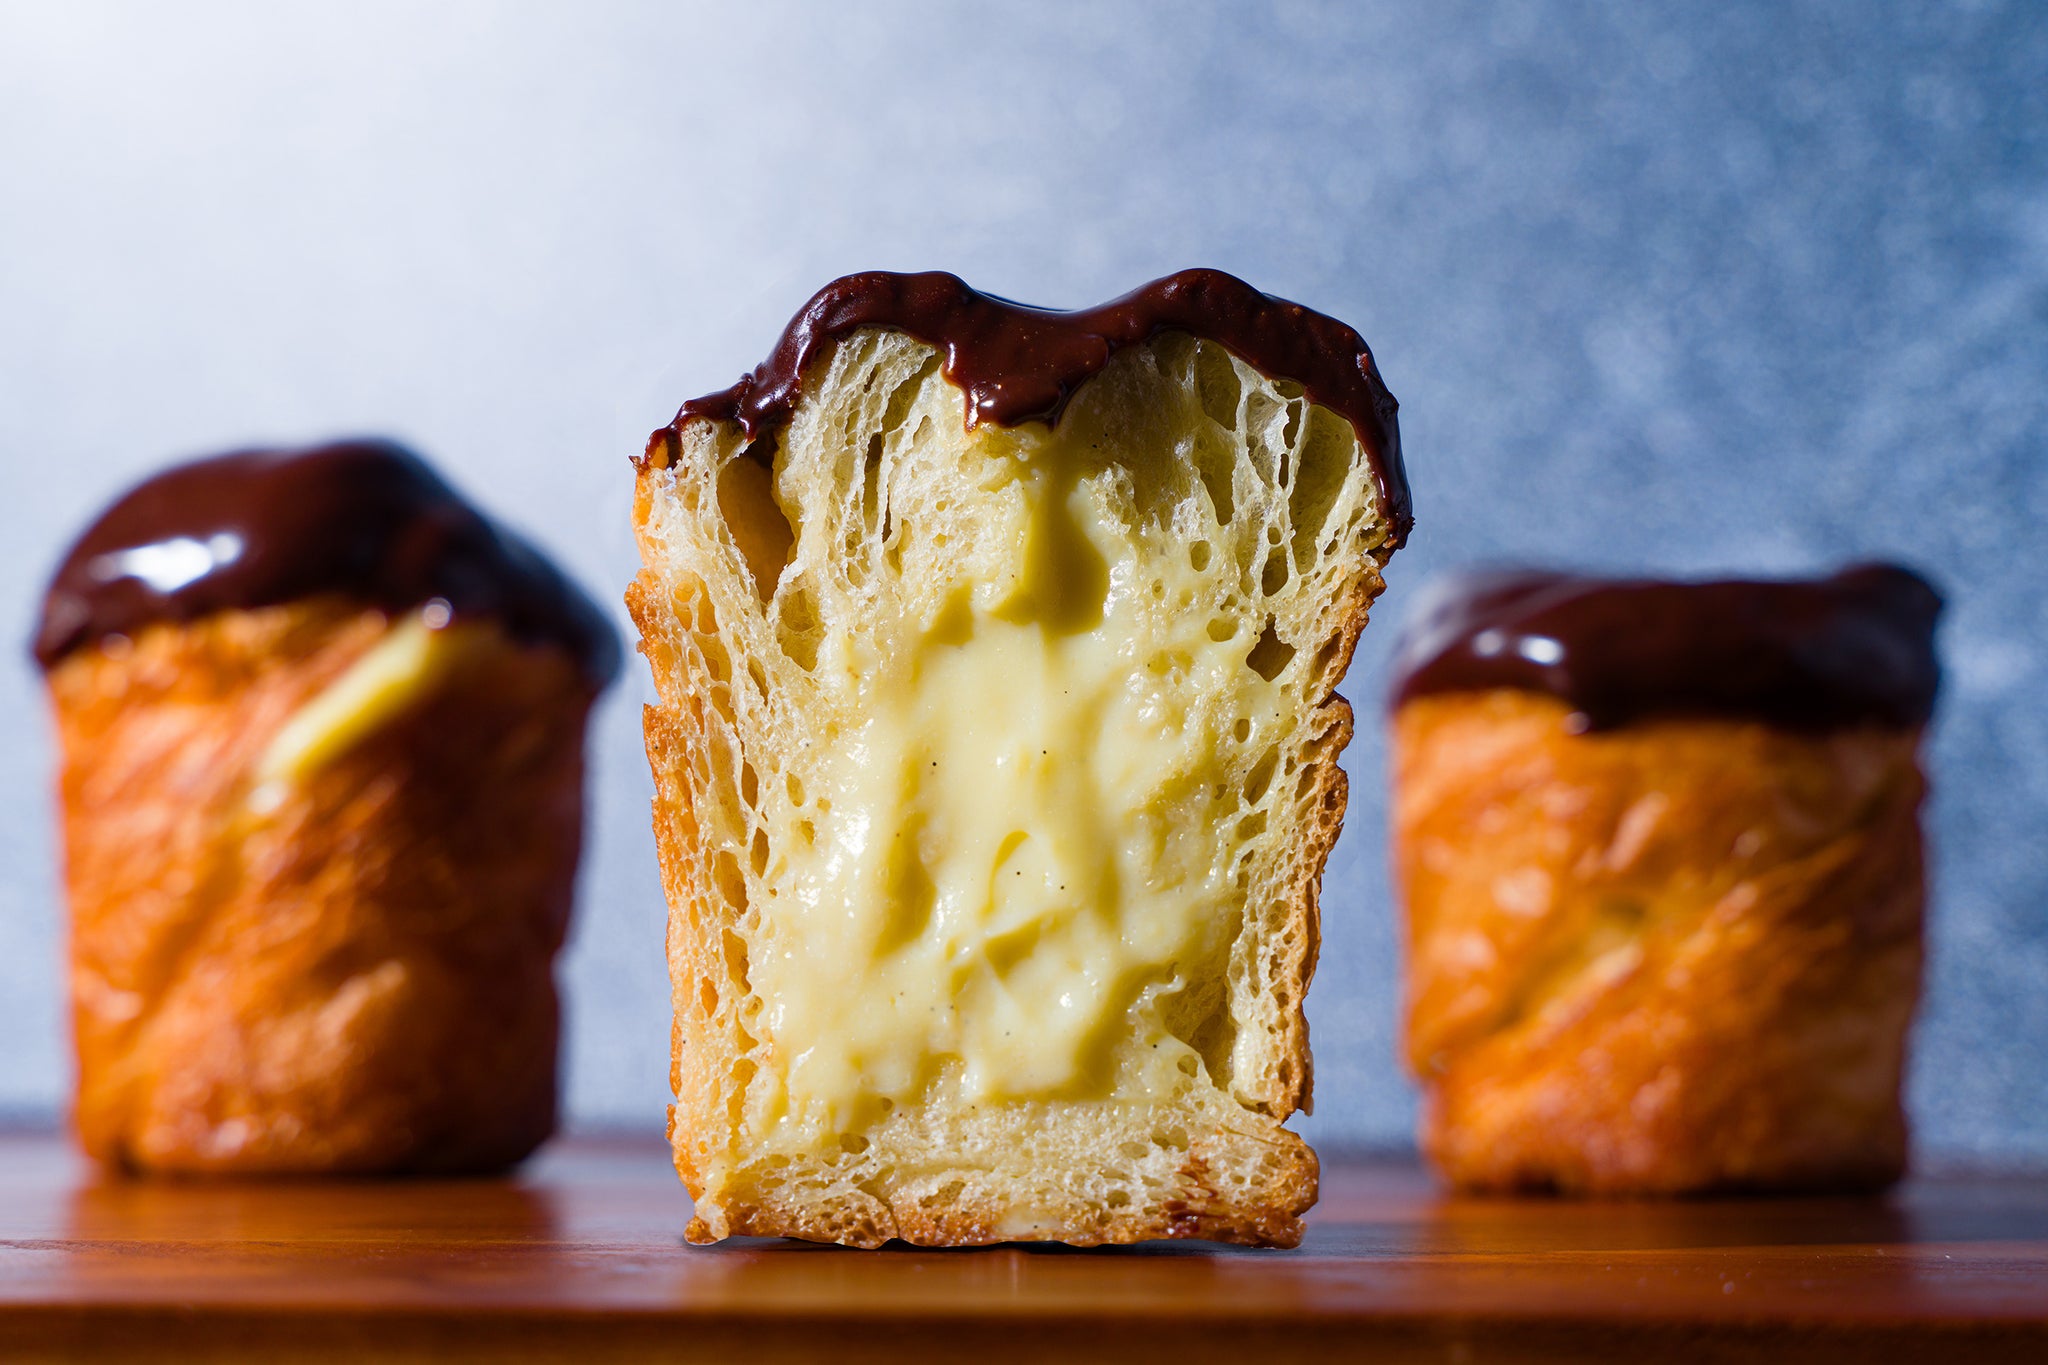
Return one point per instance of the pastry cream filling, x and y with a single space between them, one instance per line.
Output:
393 675
1006 863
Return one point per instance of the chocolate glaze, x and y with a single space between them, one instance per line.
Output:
1813 655
1021 364
365 519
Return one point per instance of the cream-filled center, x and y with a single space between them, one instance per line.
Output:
391 677
1002 866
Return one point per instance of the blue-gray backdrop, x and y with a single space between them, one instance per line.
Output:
1747 286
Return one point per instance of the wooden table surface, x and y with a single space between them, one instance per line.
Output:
582 1255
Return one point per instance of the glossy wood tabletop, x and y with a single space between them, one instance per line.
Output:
582 1255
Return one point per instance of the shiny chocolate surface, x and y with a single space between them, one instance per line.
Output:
1853 649
1020 364
365 519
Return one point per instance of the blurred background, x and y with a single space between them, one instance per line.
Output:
1756 286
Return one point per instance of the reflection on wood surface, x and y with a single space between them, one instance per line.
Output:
582 1254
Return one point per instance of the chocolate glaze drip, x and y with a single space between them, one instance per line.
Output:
1822 654
365 519
1021 364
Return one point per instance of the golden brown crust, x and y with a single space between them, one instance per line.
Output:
358 981
1201 1212
1677 957
1325 790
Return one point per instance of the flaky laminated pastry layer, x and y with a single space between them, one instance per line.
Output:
318 863
996 771
1672 957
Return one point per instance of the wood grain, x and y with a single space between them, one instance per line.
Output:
583 1255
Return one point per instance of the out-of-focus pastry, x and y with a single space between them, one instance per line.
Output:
995 759
1660 850
321 730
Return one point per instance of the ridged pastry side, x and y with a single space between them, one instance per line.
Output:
1675 957
351 973
752 572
